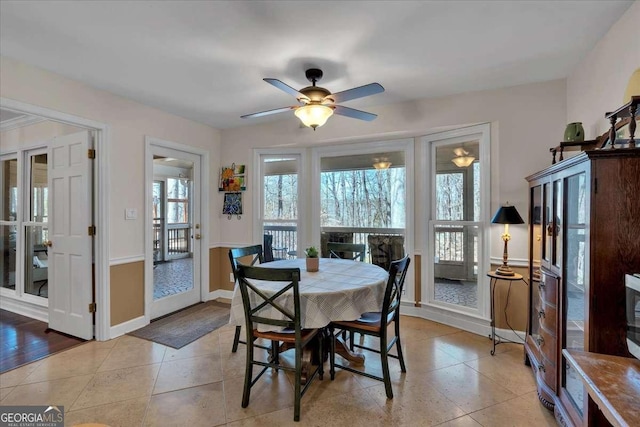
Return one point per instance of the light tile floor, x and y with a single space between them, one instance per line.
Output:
451 380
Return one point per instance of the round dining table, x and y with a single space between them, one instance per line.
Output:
339 290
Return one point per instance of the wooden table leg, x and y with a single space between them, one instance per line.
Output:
308 357
343 350
308 361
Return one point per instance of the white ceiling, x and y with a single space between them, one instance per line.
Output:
205 60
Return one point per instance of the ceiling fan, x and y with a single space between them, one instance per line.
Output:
317 104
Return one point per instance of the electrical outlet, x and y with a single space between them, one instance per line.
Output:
231 279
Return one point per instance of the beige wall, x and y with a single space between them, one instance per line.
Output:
129 122
220 270
34 134
526 120
598 83
513 303
127 292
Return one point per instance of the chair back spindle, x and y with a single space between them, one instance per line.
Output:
255 301
234 255
342 250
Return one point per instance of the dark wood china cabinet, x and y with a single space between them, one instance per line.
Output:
584 237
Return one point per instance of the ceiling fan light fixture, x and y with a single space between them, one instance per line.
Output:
314 115
463 161
381 164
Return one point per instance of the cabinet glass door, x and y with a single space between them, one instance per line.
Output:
575 280
556 224
547 218
536 239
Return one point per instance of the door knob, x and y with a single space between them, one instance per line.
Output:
198 236
48 243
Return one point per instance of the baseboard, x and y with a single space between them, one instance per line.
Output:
128 326
25 308
458 320
467 323
220 294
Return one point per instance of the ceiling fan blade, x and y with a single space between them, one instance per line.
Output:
353 113
286 88
268 112
356 92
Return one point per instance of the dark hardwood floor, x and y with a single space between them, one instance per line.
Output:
25 340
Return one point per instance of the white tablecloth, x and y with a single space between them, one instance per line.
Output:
340 290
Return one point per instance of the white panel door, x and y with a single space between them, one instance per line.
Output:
70 279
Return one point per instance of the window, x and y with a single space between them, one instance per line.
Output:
178 200
362 197
39 190
280 203
36 232
357 200
8 220
457 206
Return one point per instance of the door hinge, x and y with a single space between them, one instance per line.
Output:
595 185
92 230
92 307
91 153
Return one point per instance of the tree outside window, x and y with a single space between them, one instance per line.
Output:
178 200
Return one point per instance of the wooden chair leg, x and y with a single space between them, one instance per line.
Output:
403 368
322 337
298 381
275 353
236 339
248 375
384 356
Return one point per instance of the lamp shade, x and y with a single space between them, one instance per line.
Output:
382 163
313 115
463 161
507 215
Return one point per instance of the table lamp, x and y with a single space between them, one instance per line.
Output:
506 215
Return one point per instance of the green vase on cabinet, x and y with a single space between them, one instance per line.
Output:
574 132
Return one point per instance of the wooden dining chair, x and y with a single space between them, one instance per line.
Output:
258 258
352 251
255 303
376 324
269 250
384 249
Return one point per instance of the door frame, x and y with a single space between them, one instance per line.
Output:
404 145
101 194
303 195
476 320
151 142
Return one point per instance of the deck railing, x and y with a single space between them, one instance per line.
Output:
178 239
285 237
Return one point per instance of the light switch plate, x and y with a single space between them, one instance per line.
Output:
130 213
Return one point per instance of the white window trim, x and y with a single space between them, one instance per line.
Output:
456 315
303 203
405 145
